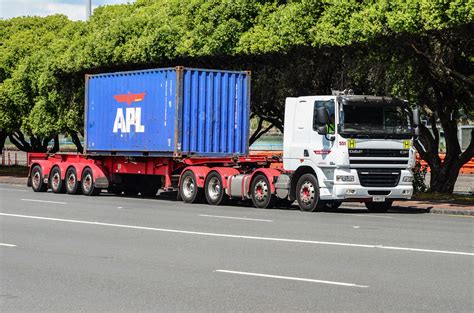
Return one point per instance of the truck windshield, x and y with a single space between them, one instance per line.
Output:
375 120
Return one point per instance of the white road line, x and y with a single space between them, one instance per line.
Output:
167 230
294 278
236 218
7 245
43 201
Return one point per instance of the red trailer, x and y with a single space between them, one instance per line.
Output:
195 178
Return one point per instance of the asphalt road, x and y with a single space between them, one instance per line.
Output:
75 253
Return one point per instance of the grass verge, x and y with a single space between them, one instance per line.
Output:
444 197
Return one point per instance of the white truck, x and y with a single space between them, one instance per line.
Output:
347 147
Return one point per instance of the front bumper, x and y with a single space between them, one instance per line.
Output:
355 192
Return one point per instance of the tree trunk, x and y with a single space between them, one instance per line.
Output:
77 142
55 147
3 137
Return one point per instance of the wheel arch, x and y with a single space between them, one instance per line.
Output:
300 171
225 173
200 172
271 175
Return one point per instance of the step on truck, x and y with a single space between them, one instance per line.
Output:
187 130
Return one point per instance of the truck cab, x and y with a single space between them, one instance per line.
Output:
346 147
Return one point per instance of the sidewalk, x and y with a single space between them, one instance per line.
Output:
439 207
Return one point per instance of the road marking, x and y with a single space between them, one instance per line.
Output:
167 230
7 245
294 278
356 227
43 201
365 215
13 189
236 218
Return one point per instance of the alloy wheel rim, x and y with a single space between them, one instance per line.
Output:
214 188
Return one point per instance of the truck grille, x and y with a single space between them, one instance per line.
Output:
372 177
394 153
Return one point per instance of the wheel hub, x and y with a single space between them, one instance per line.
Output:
214 188
188 187
261 191
56 180
36 179
307 192
87 182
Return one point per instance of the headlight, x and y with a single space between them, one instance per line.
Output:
407 179
345 178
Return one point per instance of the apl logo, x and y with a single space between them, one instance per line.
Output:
132 116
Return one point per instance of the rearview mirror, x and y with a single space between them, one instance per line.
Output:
322 116
416 118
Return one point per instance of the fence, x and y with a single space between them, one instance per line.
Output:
14 158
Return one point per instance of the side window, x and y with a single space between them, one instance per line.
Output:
329 105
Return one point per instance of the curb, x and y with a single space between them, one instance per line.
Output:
452 212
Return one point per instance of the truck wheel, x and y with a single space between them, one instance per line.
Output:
262 196
37 179
87 183
307 193
72 185
378 207
214 190
188 189
55 181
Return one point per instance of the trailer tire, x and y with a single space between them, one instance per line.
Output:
87 183
378 207
72 184
188 188
261 193
307 193
214 190
55 181
37 179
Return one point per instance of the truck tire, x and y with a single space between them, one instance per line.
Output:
72 184
55 181
87 183
307 193
37 179
378 207
261 193
188 188
214 190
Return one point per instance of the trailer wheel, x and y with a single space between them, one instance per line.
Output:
72 184
261 193
87 183
307 193
189 190
37 179
55 181
378 207
215 193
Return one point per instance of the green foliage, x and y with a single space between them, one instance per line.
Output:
419 178
420 50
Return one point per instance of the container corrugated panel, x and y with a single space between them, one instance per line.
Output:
171 111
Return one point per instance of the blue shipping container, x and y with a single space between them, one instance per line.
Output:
168 112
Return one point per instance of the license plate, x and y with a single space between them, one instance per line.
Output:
378 199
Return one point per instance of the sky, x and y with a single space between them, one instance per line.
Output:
74 9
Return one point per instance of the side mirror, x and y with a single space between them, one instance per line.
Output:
322 130
416 118
322 116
